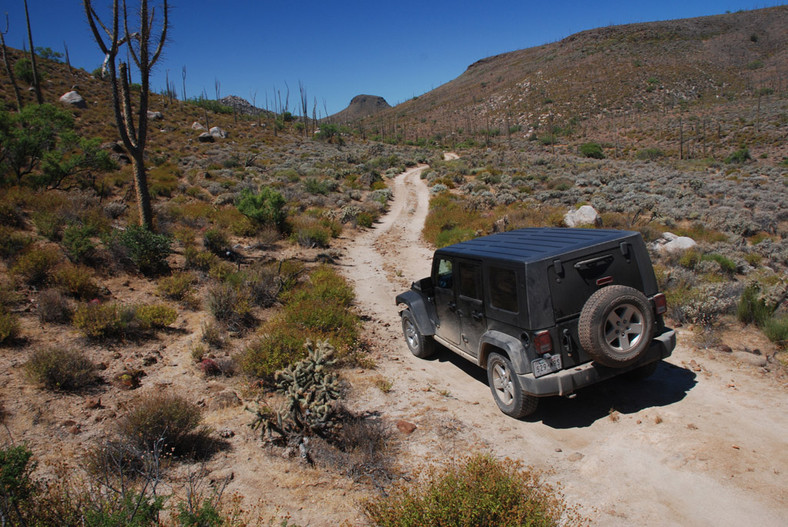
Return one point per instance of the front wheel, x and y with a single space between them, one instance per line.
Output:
506 388
421 346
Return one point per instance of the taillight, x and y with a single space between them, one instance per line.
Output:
660 304
543 343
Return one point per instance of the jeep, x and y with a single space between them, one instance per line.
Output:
544 310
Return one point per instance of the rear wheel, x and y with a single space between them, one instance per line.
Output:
616 326
421 346
506 389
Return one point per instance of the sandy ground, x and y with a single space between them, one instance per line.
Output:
702 442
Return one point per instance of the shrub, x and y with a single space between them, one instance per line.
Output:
200 260
650 154
279 346
478 490
216 241
146 249
265 207
9 326
167 420
155 316
16 487
752 308
12 242
53 307
49 224
178 286
36 264
229 305
741 155
776 329
61 369
77 281
726 264
592 150
308 232
99 321
77 242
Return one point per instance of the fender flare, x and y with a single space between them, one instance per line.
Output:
512 347
418 308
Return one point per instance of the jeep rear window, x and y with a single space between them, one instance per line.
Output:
503 289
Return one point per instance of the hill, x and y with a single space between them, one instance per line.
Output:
610 83
360 106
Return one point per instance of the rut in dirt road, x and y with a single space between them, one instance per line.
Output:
701 442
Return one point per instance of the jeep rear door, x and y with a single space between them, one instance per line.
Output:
444 279
470 305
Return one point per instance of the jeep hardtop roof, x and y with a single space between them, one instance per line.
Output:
536 244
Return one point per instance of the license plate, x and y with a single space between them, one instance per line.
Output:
541 367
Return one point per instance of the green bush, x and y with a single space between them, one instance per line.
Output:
650 154
100 321
12 242
726 264
265 207
77 281
478 490
155 316
161 417
776 329
279 346
16 486
741 155
200 260
592 150
35 265
9 326
178 286
77 242
61 369
148 250
49 224
216 241
752 309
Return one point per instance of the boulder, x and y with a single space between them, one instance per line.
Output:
218 133
74 99
206 137
197 126
670 243
155 116
585 215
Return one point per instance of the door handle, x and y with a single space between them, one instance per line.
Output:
477 315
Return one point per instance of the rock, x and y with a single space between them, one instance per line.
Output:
92 403
155 116
197 126
218 133
405 427
226 433
577 456
74 99
724 348
585 215
670 243
206 137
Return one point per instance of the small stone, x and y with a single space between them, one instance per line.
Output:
724 348
736 447
93 403
405 427
577 456
558 450
226 433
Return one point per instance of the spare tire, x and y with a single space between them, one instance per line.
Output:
616 326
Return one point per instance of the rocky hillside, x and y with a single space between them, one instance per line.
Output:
360 106
600 84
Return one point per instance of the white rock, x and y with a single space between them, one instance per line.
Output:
670 243
197 126
218 132
155 116
585 215
74 99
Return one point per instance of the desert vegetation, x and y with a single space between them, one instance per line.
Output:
135 341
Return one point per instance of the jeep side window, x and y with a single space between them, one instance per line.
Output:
444 278
469 281
503 289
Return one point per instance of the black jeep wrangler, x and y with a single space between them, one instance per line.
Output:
546 311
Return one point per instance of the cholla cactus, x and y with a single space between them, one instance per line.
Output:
310 391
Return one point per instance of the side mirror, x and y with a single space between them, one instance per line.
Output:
425 286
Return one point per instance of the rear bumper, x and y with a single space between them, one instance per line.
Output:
565 382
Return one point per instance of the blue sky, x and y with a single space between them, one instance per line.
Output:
339 49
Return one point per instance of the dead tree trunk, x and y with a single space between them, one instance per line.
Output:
36 83
134 137
8 69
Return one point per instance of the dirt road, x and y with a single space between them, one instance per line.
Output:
702 442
